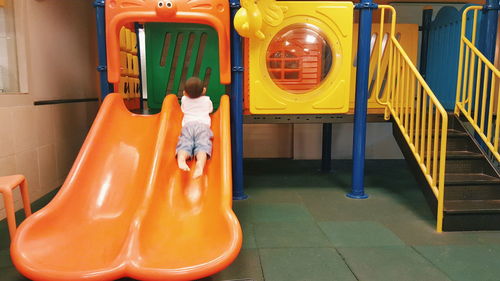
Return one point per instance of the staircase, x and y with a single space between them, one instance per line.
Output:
472 185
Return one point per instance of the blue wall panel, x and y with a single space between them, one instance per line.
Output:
444 48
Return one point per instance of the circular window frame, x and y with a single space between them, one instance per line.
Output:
276 46
330 36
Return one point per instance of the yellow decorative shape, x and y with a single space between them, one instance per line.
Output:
272 13
248 20
123 63
123 39
135 66
128 40
137 87
133 41
332 93
130 64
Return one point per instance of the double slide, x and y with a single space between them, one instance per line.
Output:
126 210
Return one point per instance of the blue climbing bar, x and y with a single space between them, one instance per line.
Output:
237 107
365 8
106 88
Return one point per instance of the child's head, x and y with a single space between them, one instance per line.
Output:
194 88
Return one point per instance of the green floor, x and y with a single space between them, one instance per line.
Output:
298 225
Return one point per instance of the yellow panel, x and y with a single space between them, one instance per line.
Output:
123 39
408 38
130 64
128 38
122 86
135 66
133 40
136 87
123 63
335 22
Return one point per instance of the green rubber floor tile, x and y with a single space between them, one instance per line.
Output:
396 263
243 210
465 262
273 195
7 269
248 236
423 232
488 237
284 212
35 206
246 266
359 234
290 234
304 264
326 206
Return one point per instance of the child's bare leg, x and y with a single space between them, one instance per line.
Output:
182 156
201 159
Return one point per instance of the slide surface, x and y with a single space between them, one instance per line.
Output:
126 210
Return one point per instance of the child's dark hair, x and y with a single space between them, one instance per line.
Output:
194 87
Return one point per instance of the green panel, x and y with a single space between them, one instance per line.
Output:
177 51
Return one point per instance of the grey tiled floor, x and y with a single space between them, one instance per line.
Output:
298 225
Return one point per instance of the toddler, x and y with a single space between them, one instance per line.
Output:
196 135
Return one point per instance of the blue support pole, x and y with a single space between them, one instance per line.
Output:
490 11
424 47
106 88
326 151
237 107
363 65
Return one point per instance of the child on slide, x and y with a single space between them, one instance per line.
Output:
196 135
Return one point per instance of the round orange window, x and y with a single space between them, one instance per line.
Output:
299 58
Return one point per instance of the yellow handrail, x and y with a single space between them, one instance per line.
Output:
417 112
477 88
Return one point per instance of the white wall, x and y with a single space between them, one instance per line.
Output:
57 59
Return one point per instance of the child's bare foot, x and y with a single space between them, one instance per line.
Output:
181 161
198 171
183 166
201 158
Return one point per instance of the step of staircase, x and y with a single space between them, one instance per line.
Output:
472 185
464 215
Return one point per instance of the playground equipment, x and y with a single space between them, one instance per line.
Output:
125 209
129 85
307 60
162 221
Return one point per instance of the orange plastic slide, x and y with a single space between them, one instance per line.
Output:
126 210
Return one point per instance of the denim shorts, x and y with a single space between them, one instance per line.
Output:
195 137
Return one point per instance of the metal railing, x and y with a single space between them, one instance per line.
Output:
478 98
416 111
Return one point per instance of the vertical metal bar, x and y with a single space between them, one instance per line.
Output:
483 105
359 138
326 154
237 107
422 130
424 47
497 123
106 88
417 117
435 149
460 98
490 12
